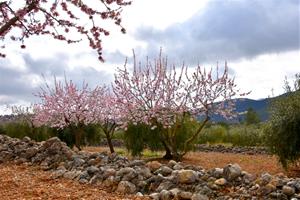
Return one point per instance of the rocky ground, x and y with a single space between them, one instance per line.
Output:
158 181
22 182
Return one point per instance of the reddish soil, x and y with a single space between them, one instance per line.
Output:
255 164
20 182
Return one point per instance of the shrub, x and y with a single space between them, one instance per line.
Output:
2 130
22 129
244 135
237 135
92 135
283 129
214 134
140 136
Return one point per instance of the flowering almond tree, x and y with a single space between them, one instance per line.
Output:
59 19
107 114
163 96
66 105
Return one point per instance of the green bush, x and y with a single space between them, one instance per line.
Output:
283 129
245 135
137 137
92 135
140 136
2 130
21 129
213 135
236 135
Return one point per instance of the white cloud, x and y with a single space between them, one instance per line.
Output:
259 52
266 72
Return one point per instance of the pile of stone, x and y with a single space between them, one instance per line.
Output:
115 143
231 149
173 180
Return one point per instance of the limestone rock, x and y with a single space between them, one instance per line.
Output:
186 176
199 197
165 195
164 170
231 172
125 187
153 165
288 190
185 195
221 181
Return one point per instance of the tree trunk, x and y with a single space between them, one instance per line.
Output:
177 156
194 136
109 142
168 154
78 136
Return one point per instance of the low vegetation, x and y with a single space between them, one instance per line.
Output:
283 128
236 135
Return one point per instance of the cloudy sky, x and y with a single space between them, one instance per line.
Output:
260 40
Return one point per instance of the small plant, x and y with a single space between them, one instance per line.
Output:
151 154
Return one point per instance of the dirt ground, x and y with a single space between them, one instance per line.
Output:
20 182
255 164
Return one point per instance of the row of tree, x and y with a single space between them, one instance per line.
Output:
155 95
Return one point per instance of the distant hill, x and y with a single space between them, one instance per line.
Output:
243 104
259 106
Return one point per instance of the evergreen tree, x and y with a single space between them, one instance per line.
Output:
252 117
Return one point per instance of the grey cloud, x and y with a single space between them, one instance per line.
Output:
18 85
58 67
89 75
46 66
229 30
13 83
114 57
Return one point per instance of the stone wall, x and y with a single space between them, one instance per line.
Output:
231 149
173 180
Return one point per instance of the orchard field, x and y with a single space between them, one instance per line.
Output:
153 128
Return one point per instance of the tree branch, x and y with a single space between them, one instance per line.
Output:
16 18
193 137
